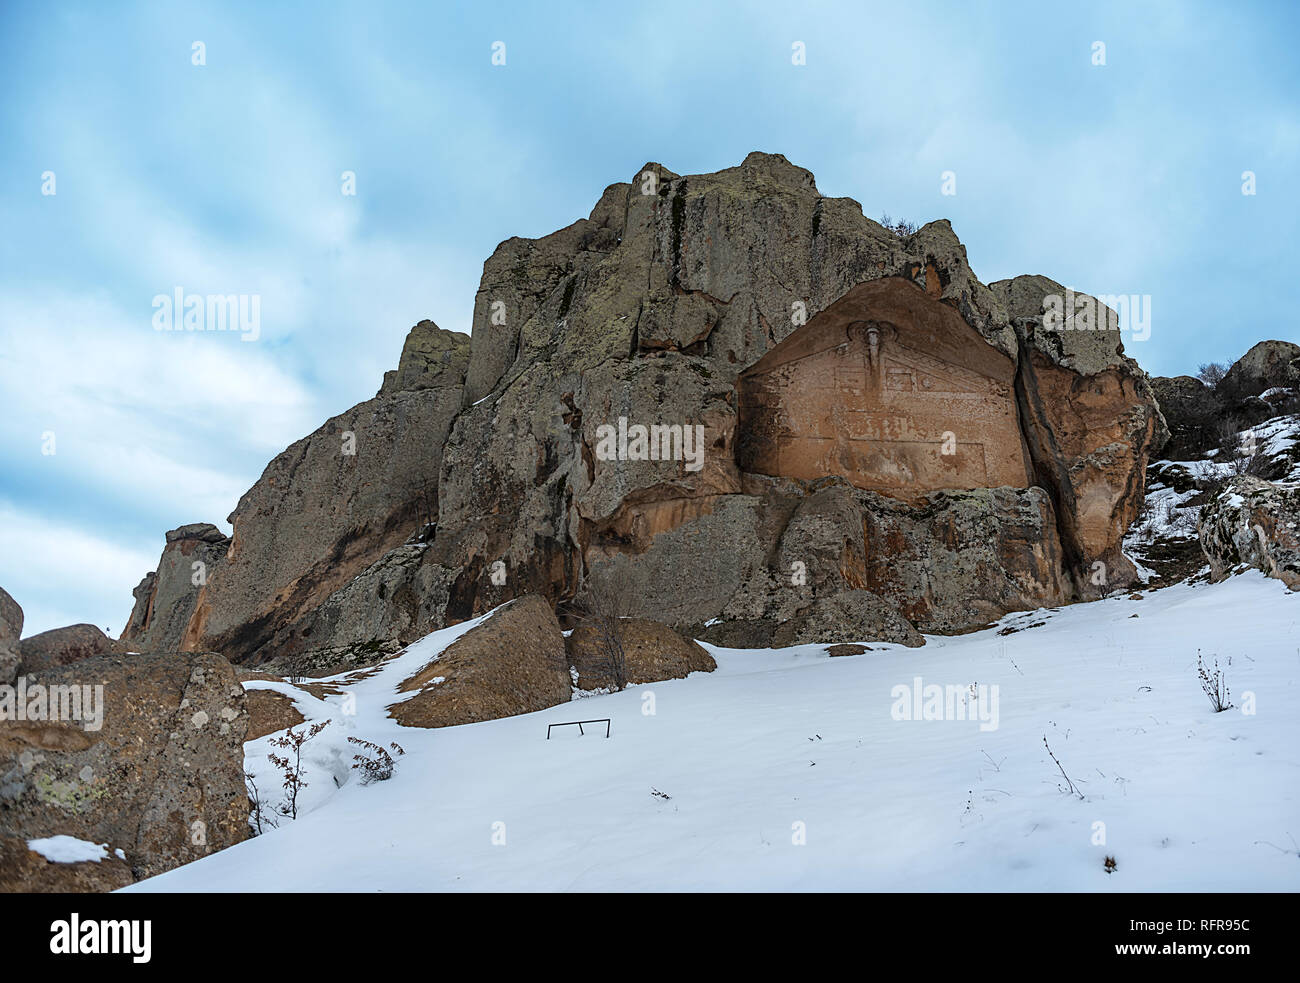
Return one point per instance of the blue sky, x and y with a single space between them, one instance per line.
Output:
225 178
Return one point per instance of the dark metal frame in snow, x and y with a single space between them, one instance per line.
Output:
578 724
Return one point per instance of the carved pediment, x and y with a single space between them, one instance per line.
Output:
889 389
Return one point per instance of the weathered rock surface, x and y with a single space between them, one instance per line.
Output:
1268 365
652 652
1091 423
62 646
954 561
11 630
431 359
269 712
1192 410
711 307
514 662
165 599
1255 523
1260 385
158 775
323 511
849 616
395 601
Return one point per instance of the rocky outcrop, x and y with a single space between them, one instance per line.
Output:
667 381
712 293
431 359
1260 385
1268 365
63 646
1091 423
11 630
323 512
1253 523
1192 411
396 600
652 652
513 662
165 599
143 753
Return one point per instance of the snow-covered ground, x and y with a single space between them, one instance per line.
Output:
789 770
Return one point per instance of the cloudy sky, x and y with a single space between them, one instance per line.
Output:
225 178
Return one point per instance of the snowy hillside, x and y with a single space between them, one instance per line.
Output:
708 791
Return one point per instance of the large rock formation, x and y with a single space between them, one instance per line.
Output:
1090 420
11 629
708 380
151 764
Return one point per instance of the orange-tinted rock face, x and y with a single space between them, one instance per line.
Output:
889 389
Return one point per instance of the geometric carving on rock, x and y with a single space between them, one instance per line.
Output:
889 389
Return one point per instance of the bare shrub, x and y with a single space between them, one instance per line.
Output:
1212 373
1214 684
374 762
290 764
902 228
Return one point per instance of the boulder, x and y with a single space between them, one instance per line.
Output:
849 616
63 646
1254 523
165 599
1268 365
513 662
142 753
11 630
652 652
